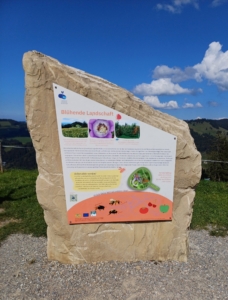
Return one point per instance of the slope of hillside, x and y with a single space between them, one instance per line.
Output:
10 129
22 153
204 132
211 127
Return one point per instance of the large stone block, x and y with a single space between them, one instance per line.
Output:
112 241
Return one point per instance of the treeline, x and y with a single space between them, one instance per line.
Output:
16 158
223 123
212 147
12 122
14 129
75 124
212 141
127 131
203 141
217 170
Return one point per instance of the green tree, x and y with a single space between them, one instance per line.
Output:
218 171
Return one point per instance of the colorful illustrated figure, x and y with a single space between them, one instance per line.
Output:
136 179
140 180
113 201
113 212
100 207
122 170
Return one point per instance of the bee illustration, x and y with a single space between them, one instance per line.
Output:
113 201
100 207
145 180
113 212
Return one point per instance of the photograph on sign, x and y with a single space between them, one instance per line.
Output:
115 168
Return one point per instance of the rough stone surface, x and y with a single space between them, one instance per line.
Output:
77 244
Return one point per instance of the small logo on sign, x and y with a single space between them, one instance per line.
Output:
85 215
93 213
62 96
73 198
78 216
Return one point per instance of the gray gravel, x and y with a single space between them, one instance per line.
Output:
27 274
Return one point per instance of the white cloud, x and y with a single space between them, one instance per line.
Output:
176 6
212 103
154 102
214 66
191 105
172 104
176 74
188 105
198 105
163 86
217 2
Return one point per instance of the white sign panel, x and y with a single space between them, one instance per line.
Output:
115 168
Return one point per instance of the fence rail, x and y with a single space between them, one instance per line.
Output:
216 161
12 146
8 146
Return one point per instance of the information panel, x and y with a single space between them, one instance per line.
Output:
115 168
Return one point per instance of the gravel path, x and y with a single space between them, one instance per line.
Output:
27 274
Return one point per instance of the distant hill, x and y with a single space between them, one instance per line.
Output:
211 127
10 129
14 133
205 131
75 124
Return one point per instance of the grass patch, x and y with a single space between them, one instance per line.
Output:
20 211
18 202
128 137
75 132
22 139
5 123
210 209
7 149
206 127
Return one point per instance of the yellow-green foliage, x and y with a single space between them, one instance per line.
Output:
75 132
206 127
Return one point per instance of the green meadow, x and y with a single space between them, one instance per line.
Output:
210 209
75 132
20 211
23 139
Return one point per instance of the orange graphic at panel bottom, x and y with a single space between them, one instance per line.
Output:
121 207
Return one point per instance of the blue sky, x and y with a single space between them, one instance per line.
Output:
172 54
